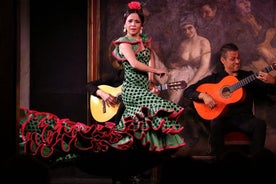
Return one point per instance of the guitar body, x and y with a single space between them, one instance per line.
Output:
99 110
221 94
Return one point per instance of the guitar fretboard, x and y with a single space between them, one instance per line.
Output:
162 87
249 79
172 85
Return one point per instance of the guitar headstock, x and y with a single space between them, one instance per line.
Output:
177 85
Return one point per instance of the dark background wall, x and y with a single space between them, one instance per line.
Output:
8 67
58 38
58 58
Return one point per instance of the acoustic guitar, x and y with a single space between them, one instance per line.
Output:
227 91
102 113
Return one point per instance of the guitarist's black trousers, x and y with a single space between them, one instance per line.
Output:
119 113
255 128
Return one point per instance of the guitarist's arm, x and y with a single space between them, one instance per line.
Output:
113 79
207 99
266 78
109 99
194 95
92 88
269 80
200 97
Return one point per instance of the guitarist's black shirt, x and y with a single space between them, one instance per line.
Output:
251 92
114 78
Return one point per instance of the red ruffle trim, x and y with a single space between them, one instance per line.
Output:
44 134
62 135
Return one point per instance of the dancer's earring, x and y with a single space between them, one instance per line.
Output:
124 30
141 30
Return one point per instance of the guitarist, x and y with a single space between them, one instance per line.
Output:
114 79
239 116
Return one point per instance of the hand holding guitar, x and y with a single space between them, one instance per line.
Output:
208 100
154 89
108 98
266 78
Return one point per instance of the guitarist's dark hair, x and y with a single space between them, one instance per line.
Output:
222 53
228 47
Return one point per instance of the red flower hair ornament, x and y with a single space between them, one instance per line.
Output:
134 5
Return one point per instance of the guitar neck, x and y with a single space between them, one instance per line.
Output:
249 79
162 87
172 85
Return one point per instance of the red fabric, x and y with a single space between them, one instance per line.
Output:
45 134
236 136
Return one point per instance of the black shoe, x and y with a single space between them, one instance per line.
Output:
128 180
136 179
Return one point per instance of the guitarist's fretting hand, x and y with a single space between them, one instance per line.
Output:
109 99
153 88
208 100
266 78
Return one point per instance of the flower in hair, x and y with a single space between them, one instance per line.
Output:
135 5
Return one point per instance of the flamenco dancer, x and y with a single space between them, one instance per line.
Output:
149 129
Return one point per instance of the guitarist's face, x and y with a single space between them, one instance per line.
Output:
231 62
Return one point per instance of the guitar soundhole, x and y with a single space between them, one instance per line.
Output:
226 93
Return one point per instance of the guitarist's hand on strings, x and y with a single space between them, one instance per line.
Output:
153 88
109 99
208 100
266 78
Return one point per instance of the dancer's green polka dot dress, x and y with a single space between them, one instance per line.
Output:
149 122
154 119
